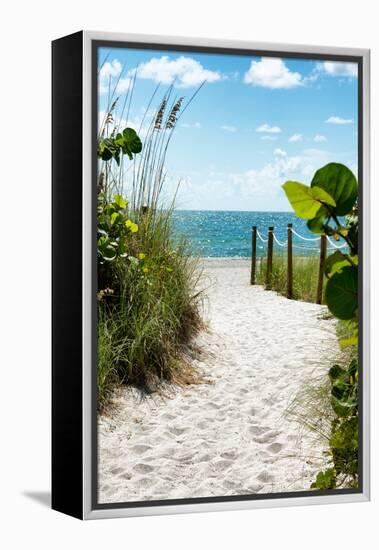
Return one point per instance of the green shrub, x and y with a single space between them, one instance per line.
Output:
148 284
155 310
332 194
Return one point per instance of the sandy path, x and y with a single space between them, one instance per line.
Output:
230 436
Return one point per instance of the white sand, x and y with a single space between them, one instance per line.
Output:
230 436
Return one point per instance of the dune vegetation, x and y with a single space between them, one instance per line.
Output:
305 276
148 292
330 206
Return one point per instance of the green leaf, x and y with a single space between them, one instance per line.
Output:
325 480
132 140
128 142
316 225
120 201
116 217
102 229
105 154
102 242
306 201
109 253
119 140
340 182
343 408
347 342
341 293
109 209
131 143
335 262
335 372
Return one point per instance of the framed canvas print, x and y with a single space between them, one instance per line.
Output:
210 275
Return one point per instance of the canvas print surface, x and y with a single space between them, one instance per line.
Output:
227 275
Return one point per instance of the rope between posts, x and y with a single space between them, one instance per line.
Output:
278 242
261 238
319 243
313 239
336 246
304 238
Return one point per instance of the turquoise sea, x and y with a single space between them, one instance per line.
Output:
228 233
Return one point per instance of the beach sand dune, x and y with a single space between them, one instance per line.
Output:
229 436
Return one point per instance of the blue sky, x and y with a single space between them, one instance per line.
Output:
255 123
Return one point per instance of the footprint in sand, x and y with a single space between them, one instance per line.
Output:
116 471
204 458
185 458
145 482
265 477
202 425
140 449
221 465
231 455
167 416
178 431
229 484
143 468
266 437
257 430
275 447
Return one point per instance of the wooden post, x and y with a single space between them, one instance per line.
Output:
289 262
320 284
253 254
270 244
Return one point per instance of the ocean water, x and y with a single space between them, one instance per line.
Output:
228 233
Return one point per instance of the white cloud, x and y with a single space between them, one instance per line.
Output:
296 137
267 181
112 68
268 129
191 125
258 188
339 120
319 138
110 77
269 138
272 73
184 71
228 128
280 153
334 68
123 85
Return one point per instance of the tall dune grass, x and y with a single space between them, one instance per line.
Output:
153 309
305 276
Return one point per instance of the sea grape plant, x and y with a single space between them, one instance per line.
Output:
344 437
114 226
127 143
331 196
329 205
